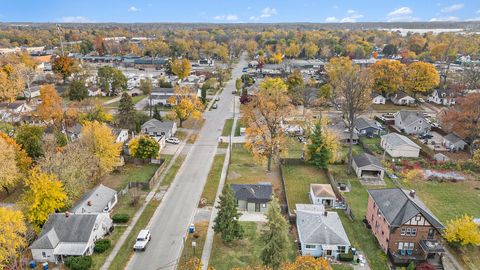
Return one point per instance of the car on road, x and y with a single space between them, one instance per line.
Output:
234 92
143 238
214 106
173 140
245 69
217 99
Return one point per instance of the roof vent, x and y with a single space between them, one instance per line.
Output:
89 203
412 193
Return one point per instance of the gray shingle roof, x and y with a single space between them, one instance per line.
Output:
98 198
154 125
395 140
48 240
314 227
258 193
398 207
409 117
365 159
453 138
363 123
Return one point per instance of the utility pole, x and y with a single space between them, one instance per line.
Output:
60 36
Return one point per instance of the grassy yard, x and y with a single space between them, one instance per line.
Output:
181 135
243 168
295 148
168 179
99 258
343 154
135 100
239 125
227 127
242 253
390 107
297 182
210 189
341 267
199 237
130 173
373 144
124 204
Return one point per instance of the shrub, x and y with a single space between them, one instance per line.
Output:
120 218
78 263
346 257
102 245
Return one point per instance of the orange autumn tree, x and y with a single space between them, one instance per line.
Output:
307 263
185 104
387 76
50 110
21 157
421 77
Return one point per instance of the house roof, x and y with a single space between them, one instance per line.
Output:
314 227
13 105
363 123
451 137
398 206
154 125
94 201
374 95
397 140
322 190
443 92
409 117
75 228
259 193
402 94
365 159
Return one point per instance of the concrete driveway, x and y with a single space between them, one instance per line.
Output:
170 221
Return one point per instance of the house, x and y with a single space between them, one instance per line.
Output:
402 98
121 135
322 194
378 99
13 112
93 92
442 97
343 135
73 132
320 232
66 234
411 122
367 166
453 142
156 128
253 197
160 96
404 227
101 199
34 91
397 145
365 126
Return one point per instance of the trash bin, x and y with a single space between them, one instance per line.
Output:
354 251
191 229
45 266
32 264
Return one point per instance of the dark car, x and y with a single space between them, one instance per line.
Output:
134 94
425 136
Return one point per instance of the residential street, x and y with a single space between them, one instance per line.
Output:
170 222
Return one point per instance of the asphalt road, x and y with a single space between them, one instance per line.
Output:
169 224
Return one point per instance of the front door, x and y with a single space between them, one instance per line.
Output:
257 207
329 252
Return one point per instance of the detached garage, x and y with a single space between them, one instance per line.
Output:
397 145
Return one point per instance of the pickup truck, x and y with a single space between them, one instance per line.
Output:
143 238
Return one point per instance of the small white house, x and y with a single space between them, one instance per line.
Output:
411 122
378 99
101 199
442 97
121 135
322 194
402 98
397 145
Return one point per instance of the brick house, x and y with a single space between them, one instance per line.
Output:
404 227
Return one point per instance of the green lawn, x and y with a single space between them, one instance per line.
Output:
295 148
297 182
168 179
343 154
99 258
227 127
373 144
135 100
199 237
241 253
181 135
130 173
341 267
244 169
210 189
124 204
390 107
239 125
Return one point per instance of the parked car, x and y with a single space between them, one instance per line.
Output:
436 125
135 94
234 92
217 99
173 140
421 100
214 106
143 238
425 136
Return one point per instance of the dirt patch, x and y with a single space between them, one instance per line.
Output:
274 178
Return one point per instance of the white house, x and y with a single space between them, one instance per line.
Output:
442 97
121 135
402 98
101 199
453 142
156 128
378 99
95 92
411 122
367 166
322 194
67 234
11 112
320 232
397 145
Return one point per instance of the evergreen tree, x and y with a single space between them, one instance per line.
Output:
77 90
226 221
276 240
318 152
126 112
156 113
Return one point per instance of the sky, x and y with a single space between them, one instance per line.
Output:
238 11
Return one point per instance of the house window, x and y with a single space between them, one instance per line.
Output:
402 231
414 231
400 245
418 218
341 249
44 255
264 205
310 246
409 232
410 246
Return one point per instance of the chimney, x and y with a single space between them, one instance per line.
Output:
67 214
412 193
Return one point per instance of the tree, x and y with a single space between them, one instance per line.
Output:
307 263
111 80
11 83
351 92
275 237
9 174
318 151
146 86
156 113
63 66
99 140
93 110
43 195
50 110
126 112
12 236
185 105
463 231
22 159
263 116
77 90
296 86
27 70
421 77
226 221
310 49
387 76
476 157
251 46
181 68
470 76
30 138
144 147
390 50
293 50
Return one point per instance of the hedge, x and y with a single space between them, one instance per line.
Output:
78 263
120 218
102 245
346 257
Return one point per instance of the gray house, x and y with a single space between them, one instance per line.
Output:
397 145
101 199
367 166
411 122
320 232
156 128
453 142
253 197
365 126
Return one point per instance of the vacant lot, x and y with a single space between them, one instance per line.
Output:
244 169
130 173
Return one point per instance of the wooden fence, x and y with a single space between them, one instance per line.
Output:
151 182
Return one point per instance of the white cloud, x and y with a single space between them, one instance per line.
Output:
133 9
351 11
445 19
353 16
268 12
477 12
74 19
229 17
331 19
452 8
403 14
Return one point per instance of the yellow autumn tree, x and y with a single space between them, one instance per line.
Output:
387 76
307 263
476 157
181 68
50 110
12 235
11 83
21 157
9 172
251 46
185 104
421 77
463 231
43 195
99 139
293 50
